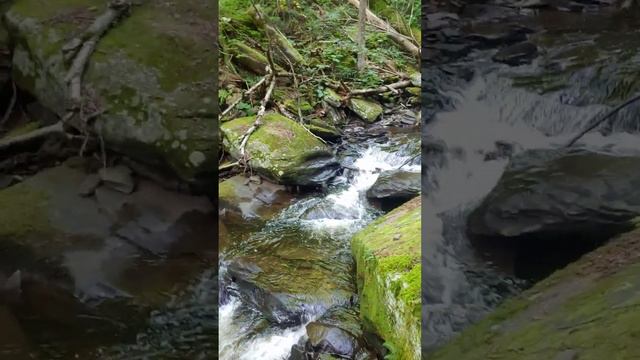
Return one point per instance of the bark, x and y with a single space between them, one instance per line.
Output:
362 22
384 88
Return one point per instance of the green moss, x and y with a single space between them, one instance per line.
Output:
265 149
365 109
387 254
23 212
596 319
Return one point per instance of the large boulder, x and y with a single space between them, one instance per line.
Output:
388 261
569 192
252 198
151 73
96 265
588 310
281 150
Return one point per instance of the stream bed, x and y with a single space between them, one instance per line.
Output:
279 275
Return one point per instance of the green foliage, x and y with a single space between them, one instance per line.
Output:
393 351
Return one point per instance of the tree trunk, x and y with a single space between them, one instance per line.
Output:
362 46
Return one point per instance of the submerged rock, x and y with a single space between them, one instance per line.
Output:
367 110
587 310
159 104
394 187
252 200
580 194
518 54
337 332
388 260
304 160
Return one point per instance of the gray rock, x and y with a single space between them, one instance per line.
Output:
395 185
546 192
517 54
89 185
119 178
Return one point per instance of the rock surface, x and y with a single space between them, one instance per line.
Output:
553 191
395 186
304 160
587 310
159 107
387 254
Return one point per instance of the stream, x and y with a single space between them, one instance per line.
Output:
485 121
304 255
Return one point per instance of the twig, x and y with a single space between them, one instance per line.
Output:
259 116
596 123
12 103
245 94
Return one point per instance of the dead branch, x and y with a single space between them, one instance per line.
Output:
228 166
259 116
384 88
81 48
400 39
55 129
598 122
244 94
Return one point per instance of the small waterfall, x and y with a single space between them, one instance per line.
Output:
333 218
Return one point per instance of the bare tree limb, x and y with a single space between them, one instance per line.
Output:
245 94
384 88
37 134
598 122
400 39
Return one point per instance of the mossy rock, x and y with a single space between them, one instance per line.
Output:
388 261
367 110
281 150
151 72
588 310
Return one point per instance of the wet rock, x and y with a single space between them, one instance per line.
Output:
162 116
488 12
596 297
324 129
77 273
252 200
394 187
560 192
304 161
389 280
119 178
440 20
336 332
367 110
89 185
518 54
6 181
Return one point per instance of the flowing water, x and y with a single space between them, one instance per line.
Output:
462 286
305 251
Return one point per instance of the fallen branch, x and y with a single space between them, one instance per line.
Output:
80 50
384 88
400 39
57 129
245 94
228 166
596 123
259 116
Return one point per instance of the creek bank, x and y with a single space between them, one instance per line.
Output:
388 266
595 298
